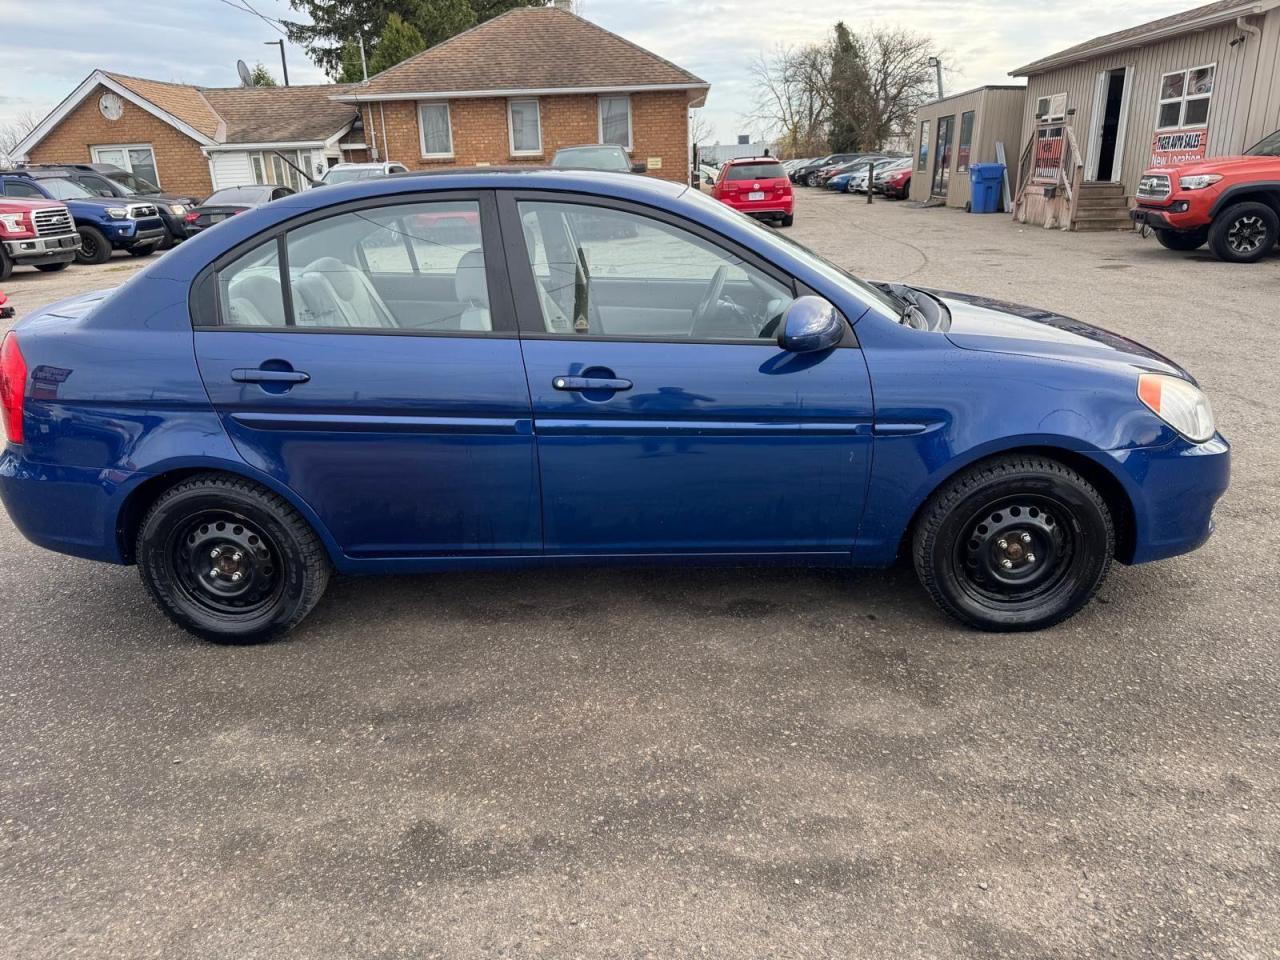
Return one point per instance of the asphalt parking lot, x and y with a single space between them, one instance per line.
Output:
653 763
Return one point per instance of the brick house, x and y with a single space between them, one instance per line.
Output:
193 139
518 87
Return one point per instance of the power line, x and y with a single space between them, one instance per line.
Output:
273 23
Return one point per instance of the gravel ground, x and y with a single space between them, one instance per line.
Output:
724 763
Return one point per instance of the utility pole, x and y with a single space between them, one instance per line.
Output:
283 66
364 67
937 66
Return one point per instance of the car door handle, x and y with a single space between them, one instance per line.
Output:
577 384
258 375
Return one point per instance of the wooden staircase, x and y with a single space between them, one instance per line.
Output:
1101 206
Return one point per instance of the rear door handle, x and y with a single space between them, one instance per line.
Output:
258 375
576 384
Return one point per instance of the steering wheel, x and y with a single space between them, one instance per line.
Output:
709 299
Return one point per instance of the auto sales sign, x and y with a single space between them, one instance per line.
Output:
1178 146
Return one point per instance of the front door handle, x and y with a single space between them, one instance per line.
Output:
258 375
577 384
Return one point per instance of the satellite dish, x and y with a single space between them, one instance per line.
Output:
245 76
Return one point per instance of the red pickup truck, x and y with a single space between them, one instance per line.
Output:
1231 203
39 233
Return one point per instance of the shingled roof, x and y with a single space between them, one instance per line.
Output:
280 114
527 48
177 99
1188 21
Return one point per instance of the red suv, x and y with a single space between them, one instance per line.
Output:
1231 203
758 186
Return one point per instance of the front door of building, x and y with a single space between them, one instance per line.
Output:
942 157
1109 110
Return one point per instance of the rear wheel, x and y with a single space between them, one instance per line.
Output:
1183 242
1244 233
53 267
94 246
811 180
146 251
230 561
1018 543
788 220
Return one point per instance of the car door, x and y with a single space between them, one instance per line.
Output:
382 379
668 419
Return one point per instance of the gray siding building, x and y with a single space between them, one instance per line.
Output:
1205 82
958 131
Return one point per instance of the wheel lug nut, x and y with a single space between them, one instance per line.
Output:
1002 544
215 552
237 556
237 575
1031 558
213 572
1026 538
1007 564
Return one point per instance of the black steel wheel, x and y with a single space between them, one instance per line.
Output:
230 561
1245 232
94 246
1182 241
1016 543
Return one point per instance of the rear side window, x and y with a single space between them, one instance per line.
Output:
410 267
756 171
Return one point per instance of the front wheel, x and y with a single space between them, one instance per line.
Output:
1017 543
811 180
1183 242
6 265
52 267
1244 233
788 220
146 251
230 561
94 246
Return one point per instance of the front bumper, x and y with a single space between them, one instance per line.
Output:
1173 490
133 233
40 250
1178 216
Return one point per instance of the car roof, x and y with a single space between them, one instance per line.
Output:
737 160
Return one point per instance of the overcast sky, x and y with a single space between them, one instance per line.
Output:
49 47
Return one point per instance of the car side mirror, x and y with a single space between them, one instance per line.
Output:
639 168
811 324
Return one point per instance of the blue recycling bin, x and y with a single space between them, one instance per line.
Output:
985 179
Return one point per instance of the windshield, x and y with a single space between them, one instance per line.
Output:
595 158
64 189
133 184
352 173
878 299
1269 147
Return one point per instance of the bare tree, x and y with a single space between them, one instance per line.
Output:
899 78
792 98
13 133
700 130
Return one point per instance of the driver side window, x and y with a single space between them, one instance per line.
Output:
604 272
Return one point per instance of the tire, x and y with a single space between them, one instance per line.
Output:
789 219
53 267
6 266
94 246
1057 536
811 180
146 251
1180 241
270 568
1244 232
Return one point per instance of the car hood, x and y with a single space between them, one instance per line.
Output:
980 323
1211 165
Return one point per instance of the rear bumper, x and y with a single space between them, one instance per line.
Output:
67 509
763 208
1173 490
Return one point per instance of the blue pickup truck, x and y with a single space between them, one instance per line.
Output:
104 223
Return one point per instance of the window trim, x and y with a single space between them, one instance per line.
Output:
422 129
204 298
922 151
520 271
631 139
1048 117
1186 97
960 142
511 127
126 147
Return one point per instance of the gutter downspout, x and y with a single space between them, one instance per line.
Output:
1243 24
382 116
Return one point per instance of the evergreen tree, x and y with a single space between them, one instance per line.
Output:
259 76
331 38
399 41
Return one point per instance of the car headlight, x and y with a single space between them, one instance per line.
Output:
177 208
1199 181
13 222
1178 403
117 213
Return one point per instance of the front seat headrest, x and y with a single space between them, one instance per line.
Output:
339 275
469 284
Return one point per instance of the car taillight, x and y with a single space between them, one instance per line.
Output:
191 217
13 386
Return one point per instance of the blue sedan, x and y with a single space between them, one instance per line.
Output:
509 368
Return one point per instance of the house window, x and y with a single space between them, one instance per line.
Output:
1184 98
139 159
1052 109
966 142
615 121
922 157
437 131
269 166
525 127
